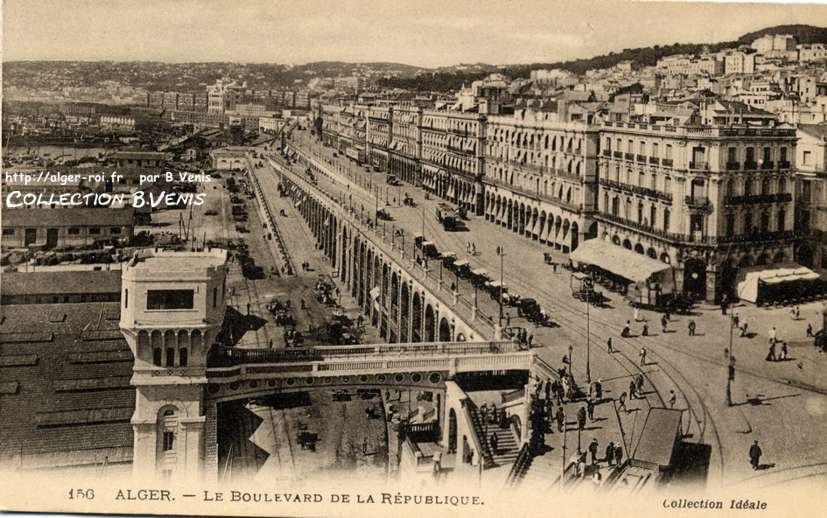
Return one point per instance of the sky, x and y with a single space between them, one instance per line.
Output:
426 33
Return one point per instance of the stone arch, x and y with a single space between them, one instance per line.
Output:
627 244
430 324
746 261
639 248
616 240
762 260
651 252
664 257
444 330
779 257
404 316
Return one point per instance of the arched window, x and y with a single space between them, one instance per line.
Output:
125 298
156 356
782 186
182 357
170 357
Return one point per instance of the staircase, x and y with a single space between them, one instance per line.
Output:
507 447
542 472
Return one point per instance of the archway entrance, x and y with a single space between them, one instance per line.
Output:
694 278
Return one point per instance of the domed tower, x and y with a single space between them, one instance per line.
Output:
172 308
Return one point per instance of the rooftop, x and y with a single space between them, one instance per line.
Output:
138 155
172 261
61 282
68 217
72 400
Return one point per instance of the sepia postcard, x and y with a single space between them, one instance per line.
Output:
412 258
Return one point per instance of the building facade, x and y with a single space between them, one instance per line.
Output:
541 177
705 199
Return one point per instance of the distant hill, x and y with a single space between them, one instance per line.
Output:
644 56
803 33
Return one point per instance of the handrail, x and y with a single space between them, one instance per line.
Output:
520 466
468 414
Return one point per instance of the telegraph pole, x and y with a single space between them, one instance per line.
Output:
501 253
588 343
731 367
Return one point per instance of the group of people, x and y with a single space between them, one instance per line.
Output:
773 341
471 248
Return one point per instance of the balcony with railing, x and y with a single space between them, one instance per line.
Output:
654 160
750 165
618 154
629 156
641 159
767 165
784 197
643 191
698 202
666 162
784 164
699 165
733 166
607 152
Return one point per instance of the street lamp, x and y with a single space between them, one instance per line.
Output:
731 367
501 253
571 363
588 342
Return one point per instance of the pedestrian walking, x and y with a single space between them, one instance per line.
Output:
621 403
795 313
627 330
784 351
508 320
637 314
673 398
645 330
642 355
691 327
494 441
561 418
632 390
771 353
618 455
598 389
663 324
590 409
772 336
530 339
735 318
248 308
755 455
809 330
593 446
639 384
581 418
610 453
724 303
609 346
743 330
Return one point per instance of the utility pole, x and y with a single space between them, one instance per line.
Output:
501 253
588 343
731 367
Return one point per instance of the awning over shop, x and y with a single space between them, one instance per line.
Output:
617 260
753 279
480 272
658 439
461 263
496 284
449 255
